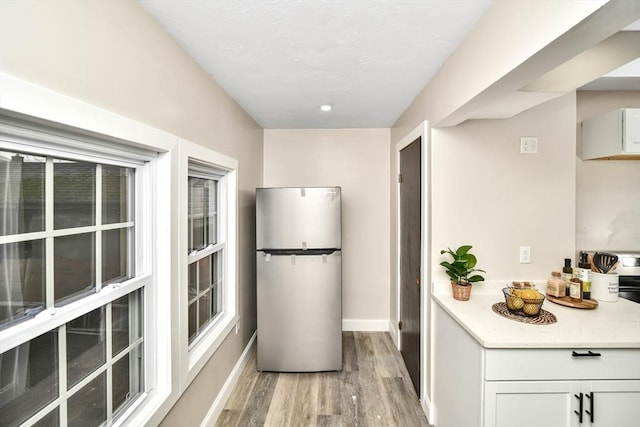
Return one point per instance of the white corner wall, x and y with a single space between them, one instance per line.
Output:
358 161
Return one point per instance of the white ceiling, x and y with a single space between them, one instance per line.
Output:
281 59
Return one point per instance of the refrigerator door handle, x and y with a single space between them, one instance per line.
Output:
299 252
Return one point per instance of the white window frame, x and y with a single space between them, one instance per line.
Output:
219 176
195 356
22 136
23 99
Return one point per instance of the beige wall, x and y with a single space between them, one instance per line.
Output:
111 54
607 195
508 199
358 161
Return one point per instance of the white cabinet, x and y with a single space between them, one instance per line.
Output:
592 387
562 403
480 387
530 403
612 403
614 135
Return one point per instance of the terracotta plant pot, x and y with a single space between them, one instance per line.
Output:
461 293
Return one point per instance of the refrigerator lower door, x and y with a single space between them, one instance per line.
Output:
299 312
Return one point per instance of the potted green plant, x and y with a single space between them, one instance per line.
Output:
460 270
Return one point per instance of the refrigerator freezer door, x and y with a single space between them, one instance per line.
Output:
298 218
299 313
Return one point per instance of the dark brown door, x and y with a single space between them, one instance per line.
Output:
410 237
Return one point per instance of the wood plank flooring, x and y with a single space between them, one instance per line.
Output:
372 390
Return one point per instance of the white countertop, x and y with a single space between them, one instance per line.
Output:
610 325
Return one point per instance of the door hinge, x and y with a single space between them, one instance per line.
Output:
400 325
399 178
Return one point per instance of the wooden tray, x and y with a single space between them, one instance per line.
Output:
588 304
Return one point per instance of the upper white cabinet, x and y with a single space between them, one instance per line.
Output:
614 135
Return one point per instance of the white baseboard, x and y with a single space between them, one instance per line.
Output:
428 409
365 325
393 331
218 404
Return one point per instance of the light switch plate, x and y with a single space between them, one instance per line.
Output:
529 145
525 254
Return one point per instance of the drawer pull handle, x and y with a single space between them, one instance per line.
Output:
590 411
579 414
587 354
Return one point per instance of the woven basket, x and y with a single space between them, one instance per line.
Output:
461 293
533 309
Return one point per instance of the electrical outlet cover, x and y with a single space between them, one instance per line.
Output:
528 145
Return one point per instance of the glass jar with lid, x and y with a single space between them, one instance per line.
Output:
556 285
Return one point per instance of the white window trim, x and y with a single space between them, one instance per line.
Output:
193 357
161 370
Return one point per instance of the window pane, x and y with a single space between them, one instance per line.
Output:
202 213
21 193
116 182
88 407
85 345
74 265
115 255
204 303
127 378
193 280
120 324
196 214
204 278
126 321
28 378
22 287
193 320
212 214
197 234
74 197
216 283
52 419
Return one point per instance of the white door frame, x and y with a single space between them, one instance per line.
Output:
423 132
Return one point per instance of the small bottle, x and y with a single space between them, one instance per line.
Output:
575 289
586 289
555 285
567 274
585 275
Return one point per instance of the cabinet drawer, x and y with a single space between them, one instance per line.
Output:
561 364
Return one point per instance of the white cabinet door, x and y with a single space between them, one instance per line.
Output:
531 403
613 403
557 403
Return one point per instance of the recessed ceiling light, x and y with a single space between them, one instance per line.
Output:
325 107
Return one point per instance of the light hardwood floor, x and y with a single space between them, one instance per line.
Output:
373 389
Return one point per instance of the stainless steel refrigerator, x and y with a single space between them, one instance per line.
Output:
299 272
